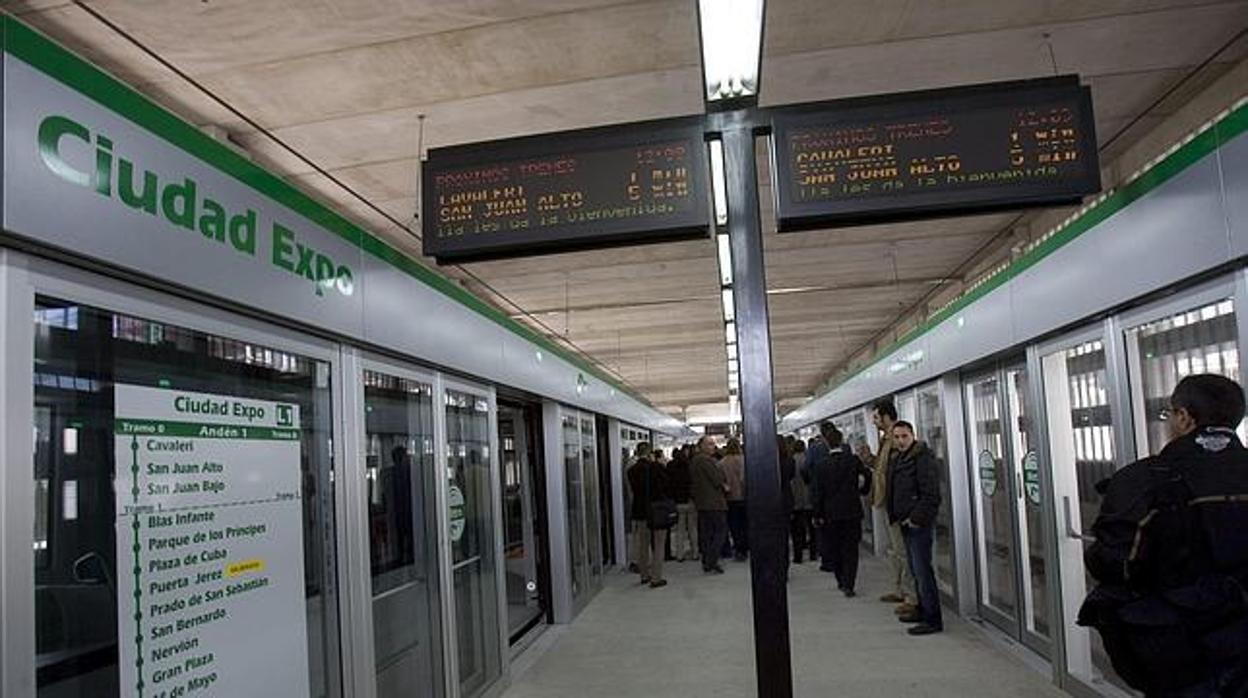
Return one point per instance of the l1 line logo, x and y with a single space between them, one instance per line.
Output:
74 154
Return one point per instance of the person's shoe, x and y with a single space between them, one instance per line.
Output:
924 629
658 583
904 609
910 618
632 567
822 568
892 598
849 593
645 580
740 557
717 569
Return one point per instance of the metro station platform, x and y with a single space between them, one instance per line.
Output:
693 638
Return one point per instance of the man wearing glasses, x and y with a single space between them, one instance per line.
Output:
1171 553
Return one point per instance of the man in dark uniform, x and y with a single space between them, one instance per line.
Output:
1171 553
839 480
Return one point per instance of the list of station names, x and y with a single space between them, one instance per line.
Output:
209 545
948 152
595 190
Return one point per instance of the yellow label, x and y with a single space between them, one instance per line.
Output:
234 569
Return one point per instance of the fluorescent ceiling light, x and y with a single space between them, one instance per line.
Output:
733 366
730 332
732 350
730 310
719 182
732 44
725 259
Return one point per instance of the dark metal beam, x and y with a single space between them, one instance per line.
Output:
768 526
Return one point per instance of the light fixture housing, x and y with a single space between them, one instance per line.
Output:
731 33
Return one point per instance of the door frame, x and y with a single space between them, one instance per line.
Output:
443 384
1016 626
24 278
355 362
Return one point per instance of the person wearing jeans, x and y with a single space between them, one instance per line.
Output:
913 502
733 466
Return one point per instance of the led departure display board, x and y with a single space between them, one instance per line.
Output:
938 152
638 183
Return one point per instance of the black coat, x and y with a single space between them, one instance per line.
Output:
788 468
1213 464
914 486
679 480
838 481
646 477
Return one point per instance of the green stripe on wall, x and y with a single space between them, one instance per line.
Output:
45 55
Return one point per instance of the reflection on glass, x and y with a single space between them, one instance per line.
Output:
931 427
469 498
995 534
1163 352
521 544
1082 442
593 508
1026 473
400 467
575 489
81 353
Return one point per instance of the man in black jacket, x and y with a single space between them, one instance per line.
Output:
648 481
838 480
913 500
1171 553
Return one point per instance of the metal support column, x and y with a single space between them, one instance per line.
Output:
768 528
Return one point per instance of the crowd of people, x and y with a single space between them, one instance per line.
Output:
1170 556
693 507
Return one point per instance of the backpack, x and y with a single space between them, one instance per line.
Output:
1180 619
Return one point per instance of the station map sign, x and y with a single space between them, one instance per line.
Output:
938 152
644 182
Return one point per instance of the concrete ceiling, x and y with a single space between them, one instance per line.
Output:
344 81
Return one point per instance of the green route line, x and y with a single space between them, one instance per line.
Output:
138 569
199 430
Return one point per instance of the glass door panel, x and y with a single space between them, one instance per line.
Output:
1082 452
470 502
593 510
1162 352
931 427
1028 496
401 470
575 490
994 510
99 375
523 531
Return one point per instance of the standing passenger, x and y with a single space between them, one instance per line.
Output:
913 502
802 525
884 416
733 465
838 482
709 488
1171 553
649 484
685 534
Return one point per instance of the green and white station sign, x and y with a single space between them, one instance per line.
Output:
987 473
1031 476
210 595
455 503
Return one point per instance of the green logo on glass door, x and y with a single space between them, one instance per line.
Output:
987 473
455 502
1031 476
